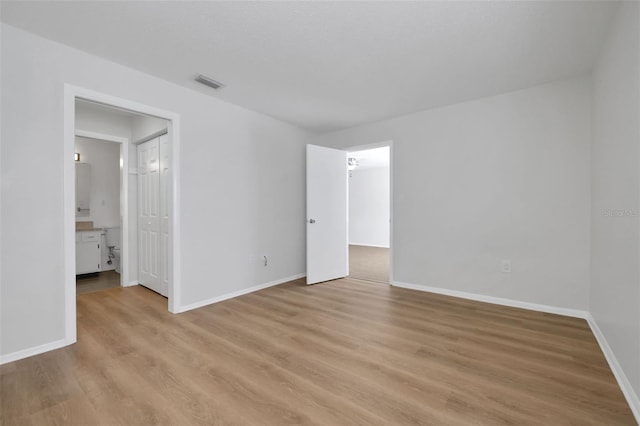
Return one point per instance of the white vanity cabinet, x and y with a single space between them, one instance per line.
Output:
88 252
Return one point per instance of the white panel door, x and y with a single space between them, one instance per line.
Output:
327 198
165 177
149 215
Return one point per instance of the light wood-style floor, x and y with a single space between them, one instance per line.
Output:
346 352
96 282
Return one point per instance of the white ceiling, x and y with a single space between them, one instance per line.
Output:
331 65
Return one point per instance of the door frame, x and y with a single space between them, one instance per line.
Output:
124 196
365 147
71 93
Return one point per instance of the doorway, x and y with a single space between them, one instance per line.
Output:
328 236
369 213
121 230
72 94
99 211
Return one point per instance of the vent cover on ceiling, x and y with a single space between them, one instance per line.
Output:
208 82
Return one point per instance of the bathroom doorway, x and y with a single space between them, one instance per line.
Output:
370 213
99 207
81 120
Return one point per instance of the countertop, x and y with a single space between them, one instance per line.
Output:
86 226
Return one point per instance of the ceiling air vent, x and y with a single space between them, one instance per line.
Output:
208 82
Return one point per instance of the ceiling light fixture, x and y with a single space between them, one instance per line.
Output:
208 82
352 163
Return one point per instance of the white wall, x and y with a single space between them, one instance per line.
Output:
369 207
95 118
230 209
504 177
615 206
144 126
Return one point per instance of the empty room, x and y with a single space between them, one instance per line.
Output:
327 213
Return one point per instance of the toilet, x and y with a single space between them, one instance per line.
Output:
112 238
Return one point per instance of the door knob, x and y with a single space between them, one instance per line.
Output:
312 221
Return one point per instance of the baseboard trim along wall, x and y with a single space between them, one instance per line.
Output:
367 245
217 299
576 313
36 350
623 381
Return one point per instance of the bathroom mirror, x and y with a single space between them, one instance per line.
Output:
83 189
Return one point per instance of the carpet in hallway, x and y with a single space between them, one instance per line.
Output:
369 263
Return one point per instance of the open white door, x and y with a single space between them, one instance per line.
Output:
327 201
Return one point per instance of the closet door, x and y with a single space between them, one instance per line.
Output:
149 234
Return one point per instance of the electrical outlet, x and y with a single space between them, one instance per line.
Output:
505 266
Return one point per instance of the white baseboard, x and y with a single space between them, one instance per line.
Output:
131 283
36 350
368 245
623 381
217 299
496 300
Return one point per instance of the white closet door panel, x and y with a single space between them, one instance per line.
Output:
149 215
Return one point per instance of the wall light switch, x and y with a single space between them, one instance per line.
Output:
505 266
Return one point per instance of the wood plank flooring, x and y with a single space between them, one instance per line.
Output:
97 282
346 352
